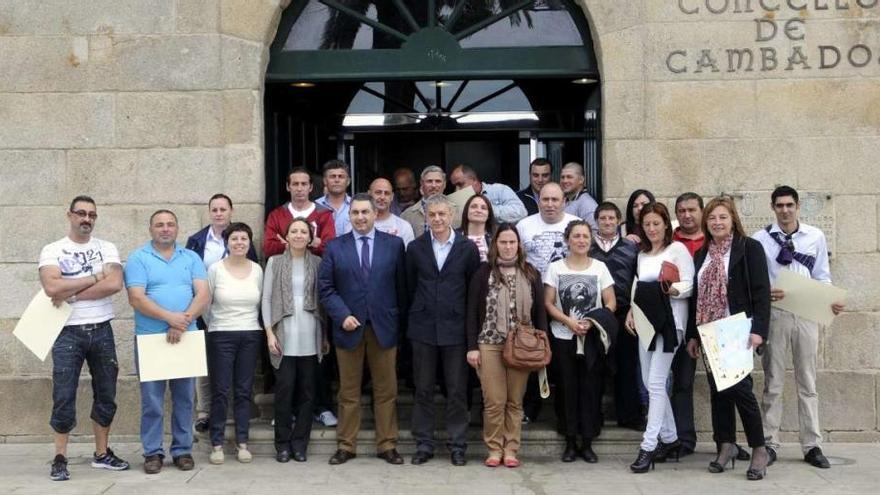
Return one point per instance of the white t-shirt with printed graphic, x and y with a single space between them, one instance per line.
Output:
544 242
577 291
78 261
396 226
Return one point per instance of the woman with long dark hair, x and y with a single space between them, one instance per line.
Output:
665 305
504 292
731 278
478 223
637 200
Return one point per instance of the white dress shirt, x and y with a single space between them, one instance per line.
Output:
215 249
441 249
807 240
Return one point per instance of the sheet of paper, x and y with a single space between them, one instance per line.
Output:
733 343
725 377
806 297
159 360
40 324
644 329
543 383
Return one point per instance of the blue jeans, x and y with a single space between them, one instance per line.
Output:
153 415
75 344
232 360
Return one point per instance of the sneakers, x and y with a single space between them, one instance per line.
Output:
202 425
326 418
217 456
110 461
243 455
59 470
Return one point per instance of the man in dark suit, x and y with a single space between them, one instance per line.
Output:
362 281
439 267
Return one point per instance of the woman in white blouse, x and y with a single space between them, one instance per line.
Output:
233 338
294 331
666 307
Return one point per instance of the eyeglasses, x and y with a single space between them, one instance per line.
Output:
83 214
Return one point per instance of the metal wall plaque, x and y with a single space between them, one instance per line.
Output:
817 209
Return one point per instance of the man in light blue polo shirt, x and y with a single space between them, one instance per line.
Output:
168 289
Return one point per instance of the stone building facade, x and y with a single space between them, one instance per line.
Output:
158 103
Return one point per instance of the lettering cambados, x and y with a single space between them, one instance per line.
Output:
78 261
779 30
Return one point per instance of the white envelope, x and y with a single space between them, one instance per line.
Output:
159 360
40 324
725 376
806 297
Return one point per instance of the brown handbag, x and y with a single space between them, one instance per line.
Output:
668 276
526 348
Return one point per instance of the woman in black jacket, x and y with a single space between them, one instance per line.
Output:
731 277
503 292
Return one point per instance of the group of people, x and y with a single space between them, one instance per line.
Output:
348 282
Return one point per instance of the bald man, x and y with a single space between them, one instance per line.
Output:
542 233
383 195
578 201
542 237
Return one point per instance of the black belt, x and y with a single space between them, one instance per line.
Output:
88 326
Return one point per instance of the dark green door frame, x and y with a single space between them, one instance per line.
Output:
431 52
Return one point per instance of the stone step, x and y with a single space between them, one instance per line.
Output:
538 440
265 404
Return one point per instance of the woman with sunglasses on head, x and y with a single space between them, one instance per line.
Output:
296 338
664 303
478 223
731 278
233 338
574 289
504 292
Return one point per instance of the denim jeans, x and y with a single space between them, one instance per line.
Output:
93 344
232 359
153 415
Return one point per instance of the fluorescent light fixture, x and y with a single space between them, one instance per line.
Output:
381 119
439 84
484 117
302 84
584 80
364 120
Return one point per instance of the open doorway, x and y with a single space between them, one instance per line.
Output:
384 84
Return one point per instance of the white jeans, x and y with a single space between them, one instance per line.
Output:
655 370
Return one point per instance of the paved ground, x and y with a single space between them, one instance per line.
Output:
24 469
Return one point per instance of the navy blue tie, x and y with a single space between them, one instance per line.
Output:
365 257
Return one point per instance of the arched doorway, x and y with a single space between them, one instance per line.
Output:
390 83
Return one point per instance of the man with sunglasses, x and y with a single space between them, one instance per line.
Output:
85 272
792 245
